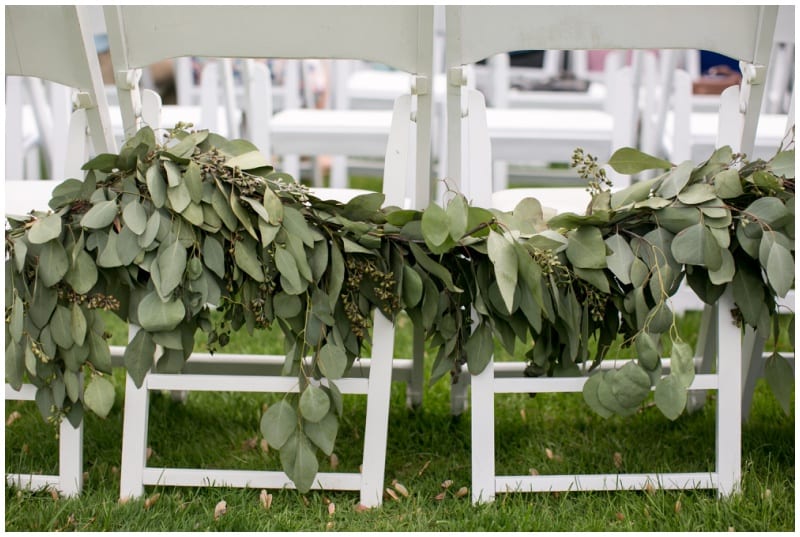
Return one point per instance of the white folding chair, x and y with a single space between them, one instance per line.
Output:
747 35
73 62
400 37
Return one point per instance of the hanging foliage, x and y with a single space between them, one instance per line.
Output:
161 234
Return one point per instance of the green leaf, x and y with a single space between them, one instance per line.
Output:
286 265
670 397
278 423
696 245
156 185
726 270
675 180
770 211
647 351
155 315
314 403
135 217
99 353
274 207
682 363
15 364
637 192
780 269
16 321
139 355
596 277
783 163
727 184
100 215
171 265
82 275
629 161
780 378
99 396
435 228
606 396
586 248
479 348
53 263
457 214
194 181
621 258
45 229
248 161
179 197
748 293
332 361
432 267
299 462
506 269
173 173
631 385
214 256
590 388
412 286
105 162
697 193
323 433
244 254
61 327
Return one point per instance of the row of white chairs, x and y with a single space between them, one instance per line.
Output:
402 37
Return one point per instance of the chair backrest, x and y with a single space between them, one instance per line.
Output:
477 32
55 43
398 36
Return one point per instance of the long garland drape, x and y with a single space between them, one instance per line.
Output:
163 233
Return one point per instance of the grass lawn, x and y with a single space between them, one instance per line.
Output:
551 433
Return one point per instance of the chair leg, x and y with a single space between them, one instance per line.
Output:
291 165
70 458
134 440
483 468
339 172
377 425
729 399
706 344
458 394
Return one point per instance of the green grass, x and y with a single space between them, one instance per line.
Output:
425 448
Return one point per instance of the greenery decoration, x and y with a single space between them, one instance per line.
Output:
161 234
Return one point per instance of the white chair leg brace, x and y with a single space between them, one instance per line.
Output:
727 381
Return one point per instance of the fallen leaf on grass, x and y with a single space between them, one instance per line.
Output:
678 506
265 498
360 508
399 487
250 444
149 502
14 416
220 509
331 509
334 459
620 517
447 483
264 445
523 414
649 488
53 493
424 467
439 497
463 491
533 471
392 494
150 452
329 525
618 459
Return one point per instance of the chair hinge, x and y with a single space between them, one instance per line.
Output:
457 76
83 101
420 85
752 75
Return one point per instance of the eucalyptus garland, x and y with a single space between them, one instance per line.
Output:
162 234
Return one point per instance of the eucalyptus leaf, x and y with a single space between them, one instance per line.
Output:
171 266
586 248
780 270
278 423
53 263
45 229
332 361
620 260
591 398
457 215
435 228
504 258
99 396
139 356
155 315
479 348
314 403
629 161
299 461
100 215
780 378
323 433
670 397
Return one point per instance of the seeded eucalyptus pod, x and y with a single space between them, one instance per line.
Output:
163 233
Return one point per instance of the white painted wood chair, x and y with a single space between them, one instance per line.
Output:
72 63
747 35
398 36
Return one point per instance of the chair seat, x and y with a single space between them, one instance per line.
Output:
592 99
540 134
332 132
703 126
